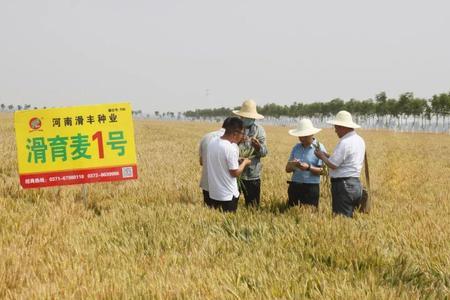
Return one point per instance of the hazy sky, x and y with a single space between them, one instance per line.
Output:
164 55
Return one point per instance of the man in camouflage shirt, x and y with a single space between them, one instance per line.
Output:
253 147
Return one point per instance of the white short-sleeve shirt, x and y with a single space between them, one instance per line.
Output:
348 156
222 156
207 138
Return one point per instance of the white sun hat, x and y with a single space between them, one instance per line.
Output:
344 119
248 110
304 128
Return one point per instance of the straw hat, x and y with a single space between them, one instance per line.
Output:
304 128
344 119
248 110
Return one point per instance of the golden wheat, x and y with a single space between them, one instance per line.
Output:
152 238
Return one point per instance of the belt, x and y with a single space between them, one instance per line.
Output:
298 183
339 179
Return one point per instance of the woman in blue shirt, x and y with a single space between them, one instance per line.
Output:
305 166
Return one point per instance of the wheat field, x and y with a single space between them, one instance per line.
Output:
152 237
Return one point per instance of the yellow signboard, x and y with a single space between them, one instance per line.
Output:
72 145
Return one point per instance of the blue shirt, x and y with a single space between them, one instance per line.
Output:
306 155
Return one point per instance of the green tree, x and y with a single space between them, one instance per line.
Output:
404 103
334 106
393 109
439 106
381 105
417 108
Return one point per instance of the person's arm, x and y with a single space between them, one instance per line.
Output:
330 165
237 172
325 159
335 160
315 170
259 143
234 167
290 167
304 166
200 151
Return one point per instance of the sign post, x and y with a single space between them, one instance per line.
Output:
75 145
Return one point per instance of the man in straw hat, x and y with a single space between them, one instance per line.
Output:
306 167
345 165
253 147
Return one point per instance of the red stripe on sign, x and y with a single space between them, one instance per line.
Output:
38 180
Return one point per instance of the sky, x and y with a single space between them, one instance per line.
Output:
183 55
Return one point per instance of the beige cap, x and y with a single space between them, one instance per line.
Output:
248 110
305 128
344 119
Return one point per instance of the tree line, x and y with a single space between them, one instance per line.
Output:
382 108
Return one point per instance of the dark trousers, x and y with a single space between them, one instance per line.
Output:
252 192
206 198
225 206
303 193
345 195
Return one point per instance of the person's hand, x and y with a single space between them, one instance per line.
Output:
246 161
256 144
244 139
296 164
320 154
303 166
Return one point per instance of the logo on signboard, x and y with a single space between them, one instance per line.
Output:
35 123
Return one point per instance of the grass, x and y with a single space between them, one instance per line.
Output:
152 238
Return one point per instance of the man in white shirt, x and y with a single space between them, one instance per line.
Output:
223 167
202 151
345 165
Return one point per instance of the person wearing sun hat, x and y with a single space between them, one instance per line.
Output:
254 143
304 186
345 165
